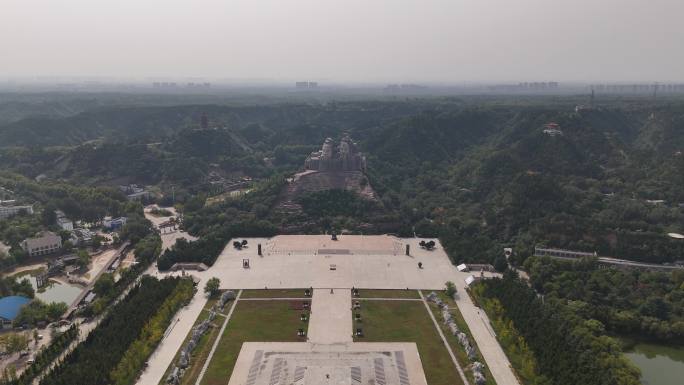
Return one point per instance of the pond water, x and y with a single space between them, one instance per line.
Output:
659 364
55 291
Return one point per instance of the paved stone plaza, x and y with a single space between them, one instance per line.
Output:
300 261
270 363
331 317
329 356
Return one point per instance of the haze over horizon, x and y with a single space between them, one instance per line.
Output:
346 41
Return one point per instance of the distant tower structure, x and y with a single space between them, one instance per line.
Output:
204 121
591 100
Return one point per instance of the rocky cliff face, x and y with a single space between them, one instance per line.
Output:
313 181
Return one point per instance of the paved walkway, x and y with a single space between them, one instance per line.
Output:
172 341
387 299
484 336
331 318
277 299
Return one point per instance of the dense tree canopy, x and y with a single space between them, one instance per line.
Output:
94 359
648 304
568 350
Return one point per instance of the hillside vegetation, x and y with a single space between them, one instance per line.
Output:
477 172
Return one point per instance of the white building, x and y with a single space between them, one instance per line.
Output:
44 243
7 211
64 222
113 223
134 192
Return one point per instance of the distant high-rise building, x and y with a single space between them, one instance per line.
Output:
306 85
204 121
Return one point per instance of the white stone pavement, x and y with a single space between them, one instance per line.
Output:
323 364
171 343
484 336
361 261
331 317
377 262
174 336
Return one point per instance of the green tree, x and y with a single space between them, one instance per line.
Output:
148 248
500 263
212 286
55 310
48 216
97 242
104 285
67 246
37 311
24 288
15 342
450 289
83 258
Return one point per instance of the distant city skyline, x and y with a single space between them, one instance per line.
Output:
350 41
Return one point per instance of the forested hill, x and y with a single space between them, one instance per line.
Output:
478 172
487 179
165 144
149 124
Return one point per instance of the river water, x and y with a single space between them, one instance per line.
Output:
659 364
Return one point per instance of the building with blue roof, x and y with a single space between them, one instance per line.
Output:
10 307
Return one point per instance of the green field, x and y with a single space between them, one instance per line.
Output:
380 293
257 321
402 321
273 293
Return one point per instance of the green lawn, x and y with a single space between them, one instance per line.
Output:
256 321
379 293
273 293
460 353
403 321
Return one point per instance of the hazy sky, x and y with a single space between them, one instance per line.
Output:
346 40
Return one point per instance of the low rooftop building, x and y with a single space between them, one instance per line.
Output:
64 222
112 224
134 192
81 237
7 211
42 244
552 129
